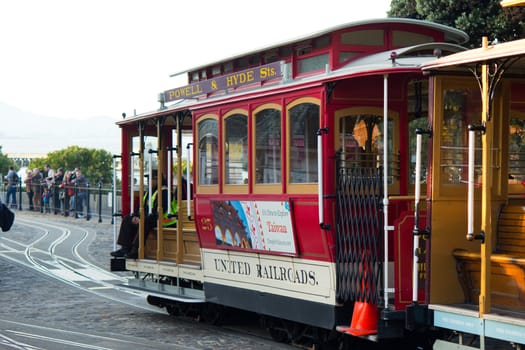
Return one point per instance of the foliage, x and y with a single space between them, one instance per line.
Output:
477 18
5 163
184 167
96 164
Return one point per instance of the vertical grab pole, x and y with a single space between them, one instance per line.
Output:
385 188
150 185
415 277
170 178
132 186
470 193
320 176
188 184
320 185
114 200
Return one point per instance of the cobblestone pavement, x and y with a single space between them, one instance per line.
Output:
27 296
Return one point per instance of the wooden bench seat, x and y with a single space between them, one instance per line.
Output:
507 263
190 241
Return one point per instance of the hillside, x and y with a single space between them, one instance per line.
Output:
25 132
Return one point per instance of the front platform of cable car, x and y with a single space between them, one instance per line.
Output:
168 262
168 265
477 262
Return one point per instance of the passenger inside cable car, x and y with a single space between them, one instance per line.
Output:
129 228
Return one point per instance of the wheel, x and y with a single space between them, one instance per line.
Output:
279 335
173 310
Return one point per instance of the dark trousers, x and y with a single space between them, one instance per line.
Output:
128 232
30 197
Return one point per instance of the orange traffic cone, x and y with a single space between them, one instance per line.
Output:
364 320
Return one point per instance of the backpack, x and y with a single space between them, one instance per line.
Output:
16 178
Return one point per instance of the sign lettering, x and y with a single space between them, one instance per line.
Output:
266 272
229 81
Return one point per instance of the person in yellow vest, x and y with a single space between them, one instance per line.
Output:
128 232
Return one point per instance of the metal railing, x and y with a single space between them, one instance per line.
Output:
79 202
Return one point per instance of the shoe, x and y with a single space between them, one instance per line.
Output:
119 253
132 254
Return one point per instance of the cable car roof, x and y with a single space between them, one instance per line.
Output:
495 52
451 35
412 57
385 62
509 3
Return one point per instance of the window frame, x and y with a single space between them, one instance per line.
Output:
514 188
266 187
447 190
299 188
207 188
394 187
234 188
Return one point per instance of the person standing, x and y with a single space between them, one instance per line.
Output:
81 183
36 182
12 182
68 191
29 188
49 175
57 183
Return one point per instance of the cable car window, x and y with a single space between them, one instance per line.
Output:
462 106
517 153
401 38
313 63
418 119
268 146
236 149
361 138
304 123
208 152
371 37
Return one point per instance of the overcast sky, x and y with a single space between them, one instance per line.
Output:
79 59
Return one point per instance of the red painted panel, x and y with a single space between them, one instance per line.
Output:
403 257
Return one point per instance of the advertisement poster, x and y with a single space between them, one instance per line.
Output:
254 225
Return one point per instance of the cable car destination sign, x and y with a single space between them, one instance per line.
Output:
249 76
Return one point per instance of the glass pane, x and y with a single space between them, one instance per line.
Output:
268 146
461 108
313 63
371 37
516 151
402 38
304 123
419 123
236 149
418 119
208 152
361 138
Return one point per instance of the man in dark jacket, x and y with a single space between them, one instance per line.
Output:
12 183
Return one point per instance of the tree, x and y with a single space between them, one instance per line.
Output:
96 164
5 163
477 18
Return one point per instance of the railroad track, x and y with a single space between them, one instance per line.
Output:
59 251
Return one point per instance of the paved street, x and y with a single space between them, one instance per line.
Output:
57 293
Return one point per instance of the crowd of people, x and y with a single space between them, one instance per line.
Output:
49 190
